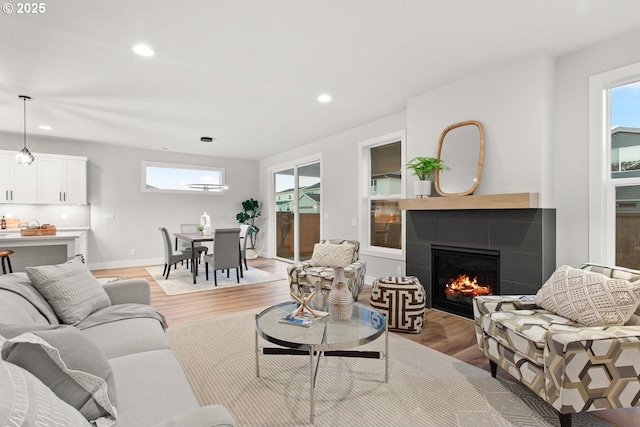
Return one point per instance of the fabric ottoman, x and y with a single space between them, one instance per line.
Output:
402 300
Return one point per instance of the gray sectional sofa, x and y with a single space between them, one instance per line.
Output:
145 382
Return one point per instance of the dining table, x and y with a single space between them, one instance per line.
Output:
198 237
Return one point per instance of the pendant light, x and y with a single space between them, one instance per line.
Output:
24 157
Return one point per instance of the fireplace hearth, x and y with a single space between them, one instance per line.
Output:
459 274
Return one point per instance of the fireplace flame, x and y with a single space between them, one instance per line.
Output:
464 286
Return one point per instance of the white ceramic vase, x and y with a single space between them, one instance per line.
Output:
252 253
340 298
318 300
422 188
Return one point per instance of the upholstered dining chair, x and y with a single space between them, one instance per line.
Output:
184 245
244 230
226 243
171 257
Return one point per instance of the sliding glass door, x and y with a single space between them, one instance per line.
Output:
297 210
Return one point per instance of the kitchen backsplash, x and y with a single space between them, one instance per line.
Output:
59 215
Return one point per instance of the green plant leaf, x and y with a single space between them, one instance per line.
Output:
423 167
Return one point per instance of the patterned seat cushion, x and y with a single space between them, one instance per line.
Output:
402 300
310 274
524 331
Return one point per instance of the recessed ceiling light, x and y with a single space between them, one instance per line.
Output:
325 97
206 139
143 50
45 127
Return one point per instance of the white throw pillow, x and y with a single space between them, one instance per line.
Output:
590 299
70 288
71 365
331 255
25 401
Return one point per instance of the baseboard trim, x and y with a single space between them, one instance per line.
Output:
124 264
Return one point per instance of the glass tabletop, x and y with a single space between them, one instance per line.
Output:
324 334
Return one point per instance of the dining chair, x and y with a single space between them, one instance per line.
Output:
244 229
184 245
226 243
171 257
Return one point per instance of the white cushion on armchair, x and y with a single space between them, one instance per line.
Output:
332 255
591 299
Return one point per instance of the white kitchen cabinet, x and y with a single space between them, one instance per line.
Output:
50 179
18 183
62 180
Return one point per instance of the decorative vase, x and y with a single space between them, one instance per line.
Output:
317 302
252 253
205 219
422 188
340 298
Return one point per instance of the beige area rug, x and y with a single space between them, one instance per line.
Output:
425 388
181 279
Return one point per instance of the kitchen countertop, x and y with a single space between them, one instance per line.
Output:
59 229
60 235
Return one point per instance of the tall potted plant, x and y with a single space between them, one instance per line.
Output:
423 168
250 211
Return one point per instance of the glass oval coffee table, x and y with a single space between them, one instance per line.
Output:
324 337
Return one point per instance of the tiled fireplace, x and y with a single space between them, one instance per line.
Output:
519 243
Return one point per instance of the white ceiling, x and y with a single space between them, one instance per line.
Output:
248 72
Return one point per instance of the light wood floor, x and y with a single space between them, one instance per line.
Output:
447 333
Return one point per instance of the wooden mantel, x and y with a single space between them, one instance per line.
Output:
483 201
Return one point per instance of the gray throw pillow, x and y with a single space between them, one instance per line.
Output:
70 288
25 401
69 364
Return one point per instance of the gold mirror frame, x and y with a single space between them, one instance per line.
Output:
480 158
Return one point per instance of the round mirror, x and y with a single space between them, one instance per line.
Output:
461 148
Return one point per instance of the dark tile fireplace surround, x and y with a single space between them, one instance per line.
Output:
523 239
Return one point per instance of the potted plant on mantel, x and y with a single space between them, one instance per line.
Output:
423 168
250 211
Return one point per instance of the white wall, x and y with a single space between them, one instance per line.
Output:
572 138
114 186
339 185
514 103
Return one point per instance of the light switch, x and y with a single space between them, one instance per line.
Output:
109 216
354 222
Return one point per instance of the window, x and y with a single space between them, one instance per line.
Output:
174 178
382 184
614 186
625 171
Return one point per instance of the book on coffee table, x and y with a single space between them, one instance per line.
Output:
303 318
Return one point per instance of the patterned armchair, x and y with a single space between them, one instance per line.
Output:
320 267
575 368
